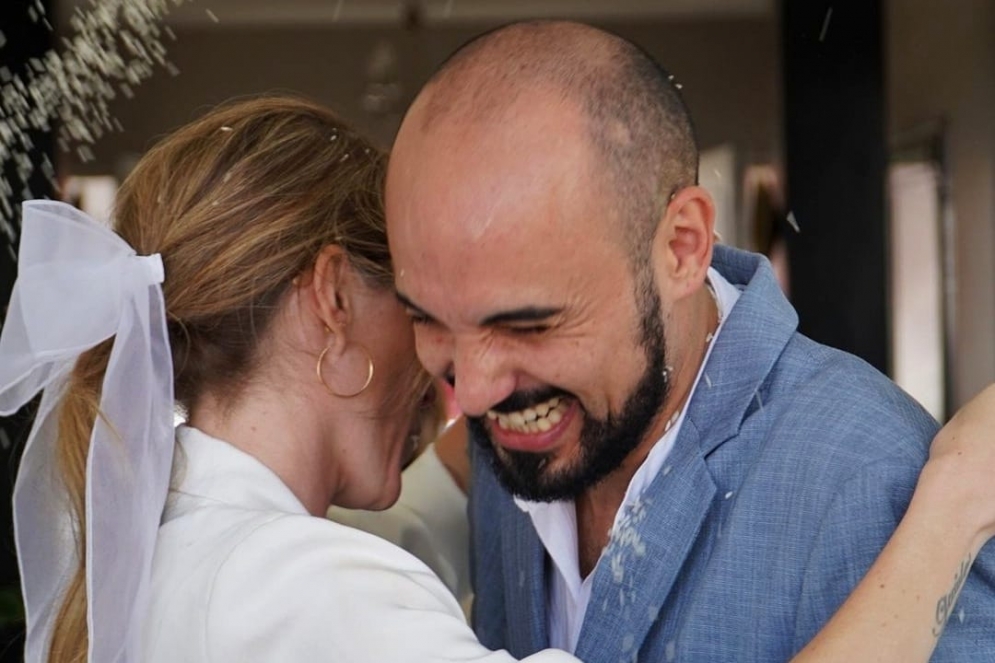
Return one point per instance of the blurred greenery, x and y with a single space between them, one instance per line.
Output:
11 606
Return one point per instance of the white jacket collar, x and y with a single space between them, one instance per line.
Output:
206 468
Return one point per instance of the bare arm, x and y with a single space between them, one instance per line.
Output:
900 608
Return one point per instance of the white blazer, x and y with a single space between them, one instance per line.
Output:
428 520
242 574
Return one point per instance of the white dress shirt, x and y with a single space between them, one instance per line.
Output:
556 522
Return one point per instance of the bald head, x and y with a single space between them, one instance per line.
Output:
635 121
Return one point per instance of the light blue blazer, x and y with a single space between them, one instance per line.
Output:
791 470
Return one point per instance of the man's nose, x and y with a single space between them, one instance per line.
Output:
481 377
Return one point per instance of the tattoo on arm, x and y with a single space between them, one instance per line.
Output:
945 606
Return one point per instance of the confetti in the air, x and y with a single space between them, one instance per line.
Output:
211 15
793 222
112 47
825 24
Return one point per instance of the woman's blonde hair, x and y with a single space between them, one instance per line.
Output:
237 203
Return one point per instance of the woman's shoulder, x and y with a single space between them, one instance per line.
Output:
289 587
218 542
304 585
312 545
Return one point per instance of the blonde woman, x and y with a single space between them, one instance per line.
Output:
248 277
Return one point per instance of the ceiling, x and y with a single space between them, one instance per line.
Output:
234 13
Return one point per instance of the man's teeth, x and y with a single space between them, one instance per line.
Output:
539 418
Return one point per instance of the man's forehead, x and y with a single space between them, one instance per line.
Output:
473 209
466 289
465 256
469 177
517 117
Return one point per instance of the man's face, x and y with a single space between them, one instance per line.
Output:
507 255
604 443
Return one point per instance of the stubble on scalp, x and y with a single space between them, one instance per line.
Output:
636 120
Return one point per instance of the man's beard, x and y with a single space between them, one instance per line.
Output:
604 443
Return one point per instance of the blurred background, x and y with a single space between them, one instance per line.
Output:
852 141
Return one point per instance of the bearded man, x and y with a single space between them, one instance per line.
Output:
664 468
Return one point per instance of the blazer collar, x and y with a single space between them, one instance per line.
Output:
753 337
650 546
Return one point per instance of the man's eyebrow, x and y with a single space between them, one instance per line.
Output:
408 304
519 315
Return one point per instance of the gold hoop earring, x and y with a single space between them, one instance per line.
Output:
369 372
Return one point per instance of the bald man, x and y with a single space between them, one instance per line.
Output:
663 468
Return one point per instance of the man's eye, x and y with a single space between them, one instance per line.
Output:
529 330
418 318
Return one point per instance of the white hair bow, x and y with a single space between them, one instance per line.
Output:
79 284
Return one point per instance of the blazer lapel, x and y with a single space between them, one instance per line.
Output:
733 380
524 583
646 552
638 569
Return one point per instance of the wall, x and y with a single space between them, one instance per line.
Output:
728 67
941 65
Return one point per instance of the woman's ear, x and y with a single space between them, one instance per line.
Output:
328 290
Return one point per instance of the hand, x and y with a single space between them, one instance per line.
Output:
962 462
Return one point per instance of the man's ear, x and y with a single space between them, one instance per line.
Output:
684 240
